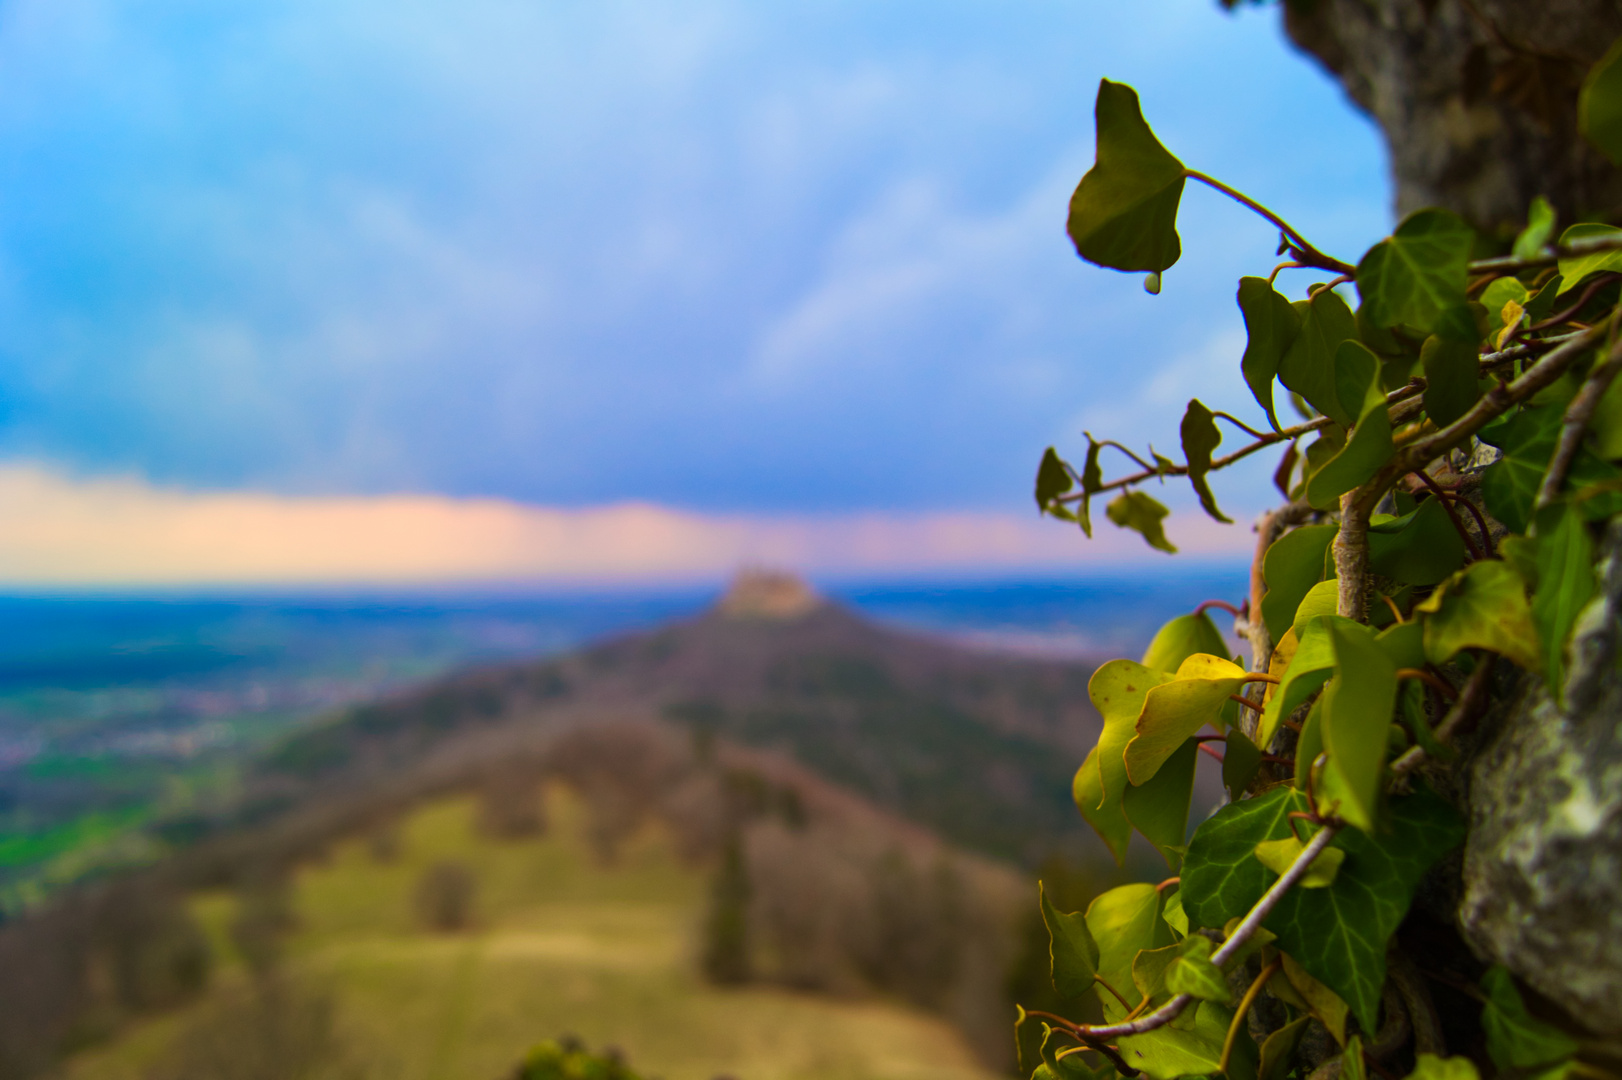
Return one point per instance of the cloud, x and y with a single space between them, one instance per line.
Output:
58 531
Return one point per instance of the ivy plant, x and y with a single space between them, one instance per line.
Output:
1458 449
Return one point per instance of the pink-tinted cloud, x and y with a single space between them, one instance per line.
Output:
60 531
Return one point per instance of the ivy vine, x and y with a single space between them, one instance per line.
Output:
1458 444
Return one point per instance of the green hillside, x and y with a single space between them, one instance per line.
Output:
558 944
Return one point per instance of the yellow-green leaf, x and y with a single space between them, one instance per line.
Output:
1324 1003
1574 268
1136 511
1172 711
1358 704
1309 669
1124 212
1279 1049
1117 691
1483 606
1431 1067
1072 952
1125 921
1193 973
1294 563
1279 855
1322 599
1158 808
1181 638
1535 237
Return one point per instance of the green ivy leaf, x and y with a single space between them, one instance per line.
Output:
1599 104
1181 638
1339 934
1117 691
1532 239
1063 1064
1321 1001
1271 326
1124 212
1240 760
1158 808
1431 1067
1510 485
1309 669
1221 877
1308 366
1370 445
1072 951
1336 934
1279 855
1052 480
1483 606
1175 710
1450 361
1575 268
1173 913
1419 548
1293 564
1136 511
1541 306
1358 704
1279 1049
1308 745
1418 272
1517 1040
1322 599
1563 553
1194 1049
1125 921
1200 437
1193 973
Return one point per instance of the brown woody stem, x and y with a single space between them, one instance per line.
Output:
1242 933
1578 415
1351 550
1244 1007
1302 250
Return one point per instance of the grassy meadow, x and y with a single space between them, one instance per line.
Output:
559 943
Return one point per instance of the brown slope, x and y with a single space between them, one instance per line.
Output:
977 745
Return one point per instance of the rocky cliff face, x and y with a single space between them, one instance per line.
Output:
1477 98
1543 864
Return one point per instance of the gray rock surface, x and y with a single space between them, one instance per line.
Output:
1543 863
1477 98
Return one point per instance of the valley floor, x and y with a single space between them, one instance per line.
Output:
560 945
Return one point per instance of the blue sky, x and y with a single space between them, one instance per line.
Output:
723 257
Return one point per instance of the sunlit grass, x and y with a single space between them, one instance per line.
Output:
560 945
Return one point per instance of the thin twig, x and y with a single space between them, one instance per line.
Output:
1231 609
1245 1003
1242 933
1452 514
1441 684
1578 414
1587 294
1240 424
1469 700
1301 248
1512 263
1491 405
